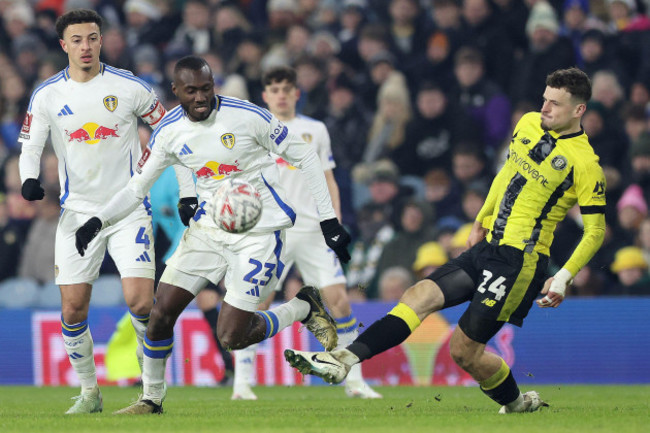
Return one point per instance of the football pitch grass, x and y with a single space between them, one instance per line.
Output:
575 409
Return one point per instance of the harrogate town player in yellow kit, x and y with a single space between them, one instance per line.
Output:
550 167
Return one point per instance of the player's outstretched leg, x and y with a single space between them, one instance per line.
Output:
308 308
318 321
355 386
79 347
385 333
325 365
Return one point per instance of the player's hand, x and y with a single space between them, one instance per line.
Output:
476 235
32 190
337 238
87 233
555 289
187 207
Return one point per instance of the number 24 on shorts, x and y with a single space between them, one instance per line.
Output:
495 286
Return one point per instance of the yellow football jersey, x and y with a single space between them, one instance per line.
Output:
544 176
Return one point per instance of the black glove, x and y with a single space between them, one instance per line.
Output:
187 208
337 238
87 233
32 190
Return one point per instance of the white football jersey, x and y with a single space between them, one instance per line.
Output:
234 142
314 132
93 126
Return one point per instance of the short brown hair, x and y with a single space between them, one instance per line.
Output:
278 74
573 80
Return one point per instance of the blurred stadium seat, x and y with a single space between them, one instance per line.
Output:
18 293
49 296
107 292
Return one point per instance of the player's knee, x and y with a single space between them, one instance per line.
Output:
338 302
140 307
74 311
425 297
460 355
229 340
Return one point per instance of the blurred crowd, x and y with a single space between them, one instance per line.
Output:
420 98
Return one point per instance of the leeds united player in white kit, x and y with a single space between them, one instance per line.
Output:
91 110
305 245
221 138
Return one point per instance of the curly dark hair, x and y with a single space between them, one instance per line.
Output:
77 16
573 80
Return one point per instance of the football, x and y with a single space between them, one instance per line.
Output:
236 206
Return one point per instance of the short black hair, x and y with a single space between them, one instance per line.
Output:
77 16
278 74
573 80
193 63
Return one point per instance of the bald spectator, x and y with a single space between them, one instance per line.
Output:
393 282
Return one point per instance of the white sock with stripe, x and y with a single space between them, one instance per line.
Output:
348 331
284 315
153 372
79 347
140 325
245 366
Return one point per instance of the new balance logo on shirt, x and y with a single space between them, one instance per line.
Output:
65 111
185 150
144 257
255 291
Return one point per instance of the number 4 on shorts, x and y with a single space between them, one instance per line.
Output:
142 238
495 287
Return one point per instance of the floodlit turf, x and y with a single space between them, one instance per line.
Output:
575 409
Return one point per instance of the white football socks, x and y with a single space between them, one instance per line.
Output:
245 366
79 347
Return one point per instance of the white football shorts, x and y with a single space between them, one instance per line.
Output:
317 263
129 242
252 264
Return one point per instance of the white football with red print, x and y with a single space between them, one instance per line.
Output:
236 206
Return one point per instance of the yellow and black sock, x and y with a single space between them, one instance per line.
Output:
385 333
501 386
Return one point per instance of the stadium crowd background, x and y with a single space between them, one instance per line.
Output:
419 96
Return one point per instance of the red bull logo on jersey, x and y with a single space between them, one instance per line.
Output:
281 162
91 133
216 170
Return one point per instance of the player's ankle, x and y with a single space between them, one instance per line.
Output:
517 405
346 357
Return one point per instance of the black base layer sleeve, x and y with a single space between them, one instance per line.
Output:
385 333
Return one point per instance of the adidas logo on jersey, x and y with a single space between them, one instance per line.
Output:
144 257
75 355
185 150
336 238
255 291
65 111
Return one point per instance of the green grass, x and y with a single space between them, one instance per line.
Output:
618 409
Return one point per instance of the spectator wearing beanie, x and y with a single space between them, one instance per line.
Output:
632 271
